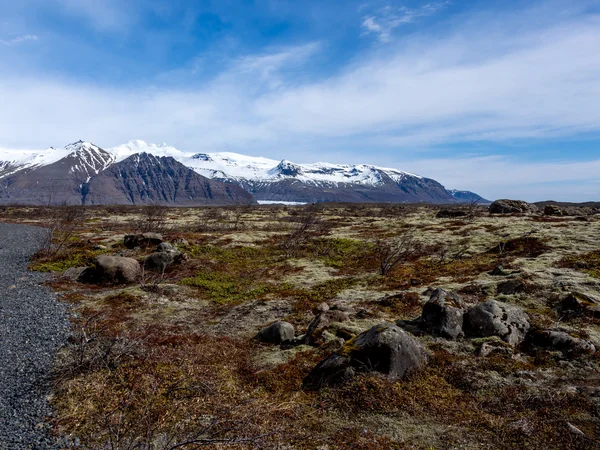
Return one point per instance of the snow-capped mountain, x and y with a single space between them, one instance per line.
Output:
267 179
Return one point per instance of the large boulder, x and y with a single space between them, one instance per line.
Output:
385 348
277 333
111 270
443 314
493 318
142 240
505 206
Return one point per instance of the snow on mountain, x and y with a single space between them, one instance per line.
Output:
12 161
233 166
87 159
222 165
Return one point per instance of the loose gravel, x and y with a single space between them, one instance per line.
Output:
33 326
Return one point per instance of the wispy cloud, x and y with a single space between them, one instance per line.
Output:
481 79
104 15
385 20
19 39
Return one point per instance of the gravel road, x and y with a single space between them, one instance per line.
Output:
33 325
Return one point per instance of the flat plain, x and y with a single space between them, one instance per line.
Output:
171 359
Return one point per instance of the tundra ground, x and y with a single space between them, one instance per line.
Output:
170 361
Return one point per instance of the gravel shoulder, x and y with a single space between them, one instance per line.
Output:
33 326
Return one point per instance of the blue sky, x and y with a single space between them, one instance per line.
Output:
497 97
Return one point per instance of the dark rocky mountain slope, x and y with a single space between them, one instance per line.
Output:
62 182
146 179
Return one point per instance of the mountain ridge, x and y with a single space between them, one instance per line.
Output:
267 179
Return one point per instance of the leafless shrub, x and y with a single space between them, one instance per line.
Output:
453 251
146 433
210 219
89 348
63 221
151 218
390 253
308 226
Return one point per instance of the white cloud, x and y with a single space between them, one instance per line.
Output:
19 39
104 15
384 21
502 176
485 80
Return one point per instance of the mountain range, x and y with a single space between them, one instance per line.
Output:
141 173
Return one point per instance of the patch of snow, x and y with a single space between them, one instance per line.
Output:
275 202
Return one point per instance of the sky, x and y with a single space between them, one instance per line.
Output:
501 98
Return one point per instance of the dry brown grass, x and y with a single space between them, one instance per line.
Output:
152 369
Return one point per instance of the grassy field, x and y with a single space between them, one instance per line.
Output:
170 361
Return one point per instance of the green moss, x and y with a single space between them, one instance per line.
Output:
340 252
71 257
225 288
322 292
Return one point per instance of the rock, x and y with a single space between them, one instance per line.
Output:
142 240
73 273
182 242
487 348
510 287
99 247
322 321
427 292
553 210
159 261
112 269
498 271
341 307
505 206
384 348
580 304
443 314
323 307
561 341
493 318
165 247
450 214
573 429
277 333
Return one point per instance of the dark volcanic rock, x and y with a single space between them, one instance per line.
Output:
561 341
443 314
159 261
576 303
511 206
147 179
451 213
385 348
277 333
142 240
492 318
510 287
